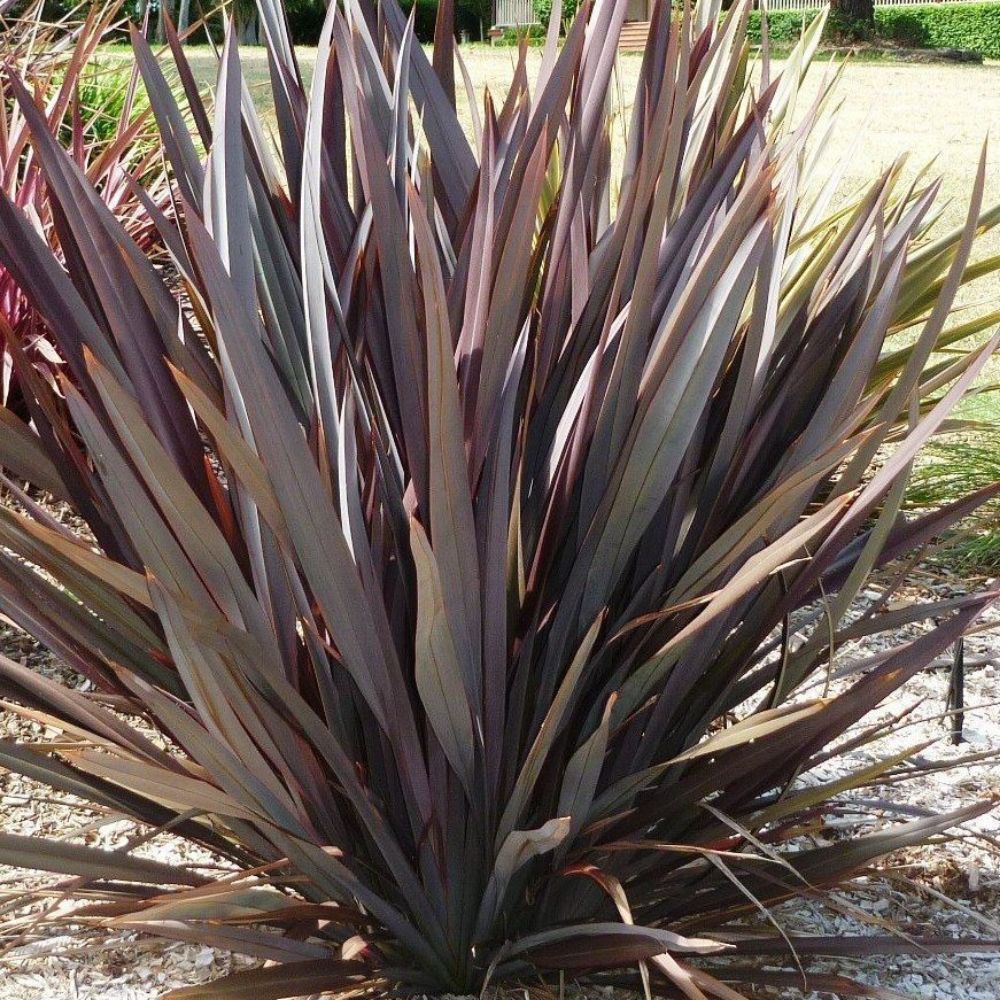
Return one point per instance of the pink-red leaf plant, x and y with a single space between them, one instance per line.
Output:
58 62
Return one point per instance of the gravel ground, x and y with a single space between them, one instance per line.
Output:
950 889
86 964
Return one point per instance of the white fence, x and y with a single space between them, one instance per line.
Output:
817 4
514 13
789 4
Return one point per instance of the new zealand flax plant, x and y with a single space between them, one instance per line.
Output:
468 520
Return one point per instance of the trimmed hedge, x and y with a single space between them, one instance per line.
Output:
972 26
782 25
534 33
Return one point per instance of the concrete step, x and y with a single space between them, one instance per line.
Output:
634 36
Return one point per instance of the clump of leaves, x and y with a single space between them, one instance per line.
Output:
470 538
563 10
106 104
953 469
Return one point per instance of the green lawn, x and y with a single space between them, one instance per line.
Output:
938 113
930 111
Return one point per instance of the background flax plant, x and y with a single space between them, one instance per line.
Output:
106 127
459 542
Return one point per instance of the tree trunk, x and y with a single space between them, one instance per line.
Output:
184 16
855 11
165 7
248 31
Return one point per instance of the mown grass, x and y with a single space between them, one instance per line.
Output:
929 112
